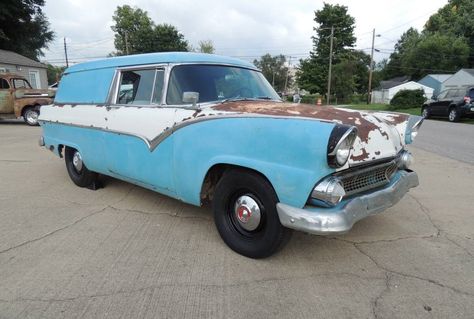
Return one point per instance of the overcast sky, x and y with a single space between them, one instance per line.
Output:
241 28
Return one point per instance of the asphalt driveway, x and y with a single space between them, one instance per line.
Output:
126 252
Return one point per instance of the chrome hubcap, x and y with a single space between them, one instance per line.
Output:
452 115
247 213
31 116
77 161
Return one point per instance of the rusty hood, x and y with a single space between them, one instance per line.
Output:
380 134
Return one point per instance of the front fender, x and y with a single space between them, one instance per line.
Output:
290 152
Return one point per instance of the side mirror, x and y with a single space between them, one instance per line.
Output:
434 98
191 98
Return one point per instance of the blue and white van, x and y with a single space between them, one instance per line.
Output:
206 128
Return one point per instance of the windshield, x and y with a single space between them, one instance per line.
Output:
217 83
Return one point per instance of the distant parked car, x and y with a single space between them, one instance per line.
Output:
452 103
206 128
17 98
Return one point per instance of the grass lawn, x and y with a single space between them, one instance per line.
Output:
384 107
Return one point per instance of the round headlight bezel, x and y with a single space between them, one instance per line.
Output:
340 144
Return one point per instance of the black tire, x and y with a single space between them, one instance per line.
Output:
30 116
453 115
426 112
269 236
82 177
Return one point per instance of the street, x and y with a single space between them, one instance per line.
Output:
126 252
453 140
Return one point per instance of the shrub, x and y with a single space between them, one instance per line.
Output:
406 99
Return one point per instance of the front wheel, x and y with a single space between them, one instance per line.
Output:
245 214
426 112
453 115
77 170
30 116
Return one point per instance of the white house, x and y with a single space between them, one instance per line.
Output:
464 78
388 90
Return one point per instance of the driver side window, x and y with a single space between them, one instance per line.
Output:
141 87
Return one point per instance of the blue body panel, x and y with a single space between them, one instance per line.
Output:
85 87
156 58
290 153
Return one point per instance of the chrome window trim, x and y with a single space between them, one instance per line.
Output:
168 67
114 92
190 106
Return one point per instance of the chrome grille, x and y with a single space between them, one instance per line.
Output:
363 179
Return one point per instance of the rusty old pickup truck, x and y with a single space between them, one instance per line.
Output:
19 99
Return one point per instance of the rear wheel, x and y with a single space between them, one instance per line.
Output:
245 214
30 116
77 170
453 115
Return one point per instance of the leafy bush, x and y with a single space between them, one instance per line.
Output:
406 99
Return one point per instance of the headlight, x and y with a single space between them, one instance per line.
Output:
330 191
405 160
413 126
340 143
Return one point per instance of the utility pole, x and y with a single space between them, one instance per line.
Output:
369 92
65 52
287 73
127 50
330 66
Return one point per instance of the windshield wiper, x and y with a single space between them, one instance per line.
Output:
236 98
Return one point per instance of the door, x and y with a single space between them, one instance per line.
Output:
6 97
437 107
34 79
137 120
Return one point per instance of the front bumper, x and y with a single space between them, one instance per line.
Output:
340 219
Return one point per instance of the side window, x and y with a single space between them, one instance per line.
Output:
21 84
138 86
4 84
456 93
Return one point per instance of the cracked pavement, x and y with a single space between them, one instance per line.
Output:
126 252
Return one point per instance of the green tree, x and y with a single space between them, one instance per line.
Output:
455 19
167 38
417 55
396 66
313 72
206 46
24 28
275 71
54 73
350 75
136 32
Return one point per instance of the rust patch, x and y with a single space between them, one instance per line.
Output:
326 113
360 157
